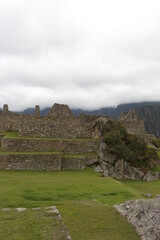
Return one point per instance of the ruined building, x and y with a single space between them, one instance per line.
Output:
58 123
57 141
132 123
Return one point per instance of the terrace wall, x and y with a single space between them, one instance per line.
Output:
65 146
47 162
30 162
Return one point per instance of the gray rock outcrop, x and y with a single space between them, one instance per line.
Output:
109 166
144 215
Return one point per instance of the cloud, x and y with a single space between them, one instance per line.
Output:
87 54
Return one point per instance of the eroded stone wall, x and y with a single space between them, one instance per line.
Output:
30 162
132 123
56 127
47 162
65 146
9 121
58 123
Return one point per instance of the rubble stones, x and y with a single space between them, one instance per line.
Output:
148 195
21 209
144 215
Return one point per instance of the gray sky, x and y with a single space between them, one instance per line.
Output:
85 53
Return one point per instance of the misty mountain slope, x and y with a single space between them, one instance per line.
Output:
151 117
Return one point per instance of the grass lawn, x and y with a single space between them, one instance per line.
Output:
30 224
16 135
144 187
83 197
78 155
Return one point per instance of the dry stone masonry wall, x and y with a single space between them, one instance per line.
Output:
132 123
64 146
51 162
58 123
47 162
61 123
56 127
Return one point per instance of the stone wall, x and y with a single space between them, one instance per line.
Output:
132 123
61 123
9 121
58 123
56 127
47 162
30 162
71 163
65 146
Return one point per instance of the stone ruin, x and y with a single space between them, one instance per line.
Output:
59 122
51 142
132 123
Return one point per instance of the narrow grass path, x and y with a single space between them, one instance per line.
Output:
89 220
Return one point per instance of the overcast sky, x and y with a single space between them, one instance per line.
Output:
84 53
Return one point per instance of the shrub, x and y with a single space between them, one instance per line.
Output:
131 148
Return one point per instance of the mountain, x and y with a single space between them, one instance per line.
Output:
110 111
151 117
115 111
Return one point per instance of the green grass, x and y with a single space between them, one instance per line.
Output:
51 153
16 135
84 199
30 225
144 187
89 220
32 188
80 155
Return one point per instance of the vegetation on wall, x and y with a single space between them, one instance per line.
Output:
131 148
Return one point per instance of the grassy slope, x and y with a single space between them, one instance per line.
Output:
74 193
